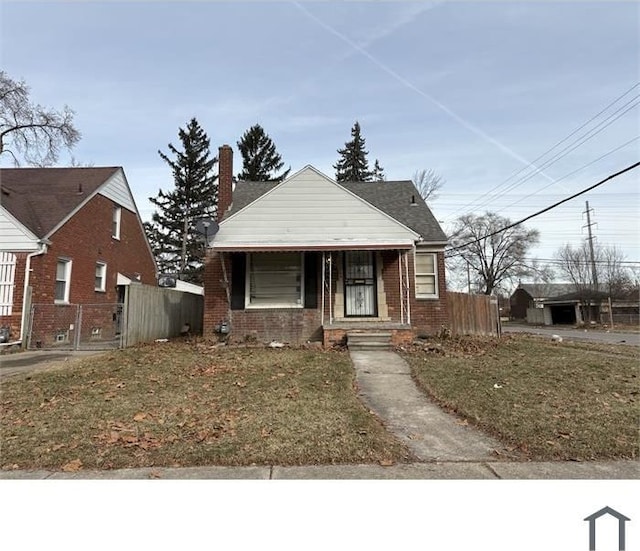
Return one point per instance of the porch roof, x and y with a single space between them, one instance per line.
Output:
325 245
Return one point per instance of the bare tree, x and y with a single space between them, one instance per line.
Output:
29 130
428 183
575 264
495 260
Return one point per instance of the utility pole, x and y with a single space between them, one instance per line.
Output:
594 272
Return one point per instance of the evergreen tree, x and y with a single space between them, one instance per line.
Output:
260 160
352 166
378 172
177 246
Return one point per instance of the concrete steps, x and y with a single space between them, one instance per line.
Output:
368 340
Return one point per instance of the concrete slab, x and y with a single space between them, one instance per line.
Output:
36 360
386 387
165 473
24 475
569 470
414 471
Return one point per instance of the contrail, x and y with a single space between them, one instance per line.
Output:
477 131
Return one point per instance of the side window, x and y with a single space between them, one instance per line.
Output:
115 226
101 276
63 280
426 265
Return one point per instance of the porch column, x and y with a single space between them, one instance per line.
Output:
400 284
406 271
323 284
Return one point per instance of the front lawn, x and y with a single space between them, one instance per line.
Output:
178 404
546 400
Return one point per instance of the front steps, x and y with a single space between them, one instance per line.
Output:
368 340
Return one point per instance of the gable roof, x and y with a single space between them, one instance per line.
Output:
307 211
41 198
398 199
547 290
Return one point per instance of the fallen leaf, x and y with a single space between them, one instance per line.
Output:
140 416
73 466
387 462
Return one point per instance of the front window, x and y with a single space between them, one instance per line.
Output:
274 280
426 274
63 280
101 276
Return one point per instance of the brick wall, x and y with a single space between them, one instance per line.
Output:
429 315
86 239
299 325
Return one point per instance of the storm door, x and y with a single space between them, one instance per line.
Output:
359 284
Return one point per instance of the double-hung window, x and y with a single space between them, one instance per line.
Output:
101 277
63 280
426 274
274 280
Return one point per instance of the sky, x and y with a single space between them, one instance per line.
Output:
478 92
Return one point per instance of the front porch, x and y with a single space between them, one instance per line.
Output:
366 334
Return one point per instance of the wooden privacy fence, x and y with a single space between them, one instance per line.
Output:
156 313
473 314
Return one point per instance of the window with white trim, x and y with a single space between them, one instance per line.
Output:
115 226
101 276
63 280
274 280
426 264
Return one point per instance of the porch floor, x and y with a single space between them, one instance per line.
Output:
368 325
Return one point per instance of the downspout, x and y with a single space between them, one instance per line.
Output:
27 277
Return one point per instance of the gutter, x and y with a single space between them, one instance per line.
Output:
27 274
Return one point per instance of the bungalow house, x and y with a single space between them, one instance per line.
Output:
309 259
68 237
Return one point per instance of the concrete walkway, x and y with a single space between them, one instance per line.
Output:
386 387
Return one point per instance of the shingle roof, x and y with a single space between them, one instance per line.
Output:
548 290
398 199
40 198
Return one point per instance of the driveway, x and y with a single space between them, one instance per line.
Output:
37 360
570 333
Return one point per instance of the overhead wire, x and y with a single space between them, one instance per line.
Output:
546 209
513 175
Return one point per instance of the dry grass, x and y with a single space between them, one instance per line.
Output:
177 404
548 401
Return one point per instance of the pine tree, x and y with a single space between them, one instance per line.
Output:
260 160
352 166
378 172
177 246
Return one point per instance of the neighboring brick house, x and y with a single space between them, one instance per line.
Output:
71 236
310 259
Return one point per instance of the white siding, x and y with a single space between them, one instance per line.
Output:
14 236
117 189
309 209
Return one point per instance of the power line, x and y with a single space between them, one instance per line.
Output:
564 152
573 172
513 175
546 209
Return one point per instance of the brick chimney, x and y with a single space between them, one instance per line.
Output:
225 179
